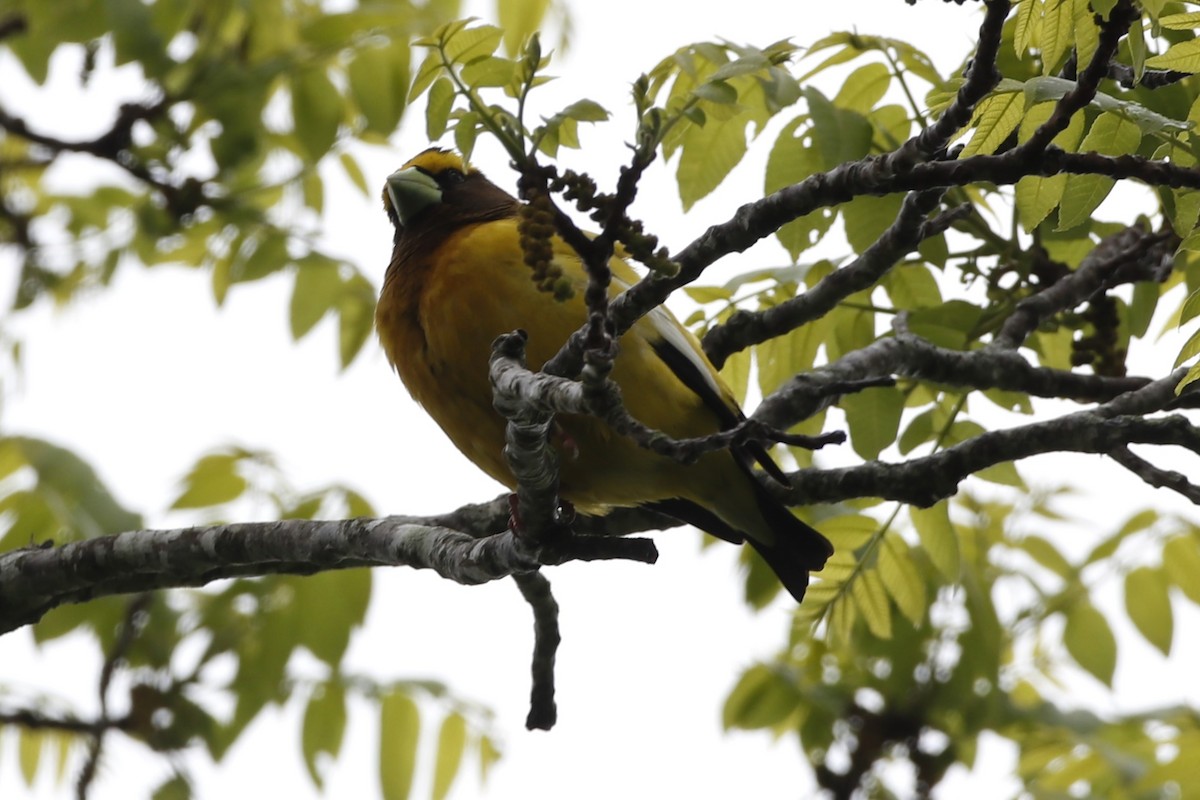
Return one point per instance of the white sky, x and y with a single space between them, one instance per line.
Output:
143 379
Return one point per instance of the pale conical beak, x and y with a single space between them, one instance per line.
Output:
411 192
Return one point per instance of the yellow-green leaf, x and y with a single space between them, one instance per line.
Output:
354 173
452 743
399 729
1026 24
1057 34
214 480
1181 561
1090 641
378 77
873 416
29 754
762 698
870 598
938 537
314 293
1181 57
1149 606
1110 134
323 727
317 110
901 578
996 118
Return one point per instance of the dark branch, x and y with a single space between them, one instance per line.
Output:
982 77
746 328
1128 256
1088 82
924 481
536 590
1156 476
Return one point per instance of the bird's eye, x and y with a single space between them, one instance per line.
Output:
452 176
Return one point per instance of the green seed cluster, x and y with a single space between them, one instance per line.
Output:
536 228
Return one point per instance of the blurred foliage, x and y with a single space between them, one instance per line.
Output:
241 113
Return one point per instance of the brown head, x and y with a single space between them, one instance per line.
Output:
436 193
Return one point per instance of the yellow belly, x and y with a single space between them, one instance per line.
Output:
440 340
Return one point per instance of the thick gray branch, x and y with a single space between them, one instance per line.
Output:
36 579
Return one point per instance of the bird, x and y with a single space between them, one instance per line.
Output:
457 279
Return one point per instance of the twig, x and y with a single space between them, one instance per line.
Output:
1130 255
910 228
535 588
1156 476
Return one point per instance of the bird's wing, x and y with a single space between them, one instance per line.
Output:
682 354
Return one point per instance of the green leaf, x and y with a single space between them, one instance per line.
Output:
1026 25
1106 547
995 119
1090 641
873 416
1181 57
437 111
1037 196
1189 378
316 111
794 157
1110 134
519 19
1189 350
315 291
1181 562
709 154
866 217
901 578
863 88
585 111
840 135
452 743
763 698
468 44
214 480
1057 33
1181 22
1149 606
948 325
333 604
491 71
1047 555
356 317
176 788
399 729
354 173
378 77
938 537
870 599
324 726
489 754
29 754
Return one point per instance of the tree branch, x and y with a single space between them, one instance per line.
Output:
924 481
1127 256
36 579
535 588
911 227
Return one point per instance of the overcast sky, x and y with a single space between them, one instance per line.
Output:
143 379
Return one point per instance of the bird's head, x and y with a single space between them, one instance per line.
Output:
438 185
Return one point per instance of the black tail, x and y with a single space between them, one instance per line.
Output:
797 549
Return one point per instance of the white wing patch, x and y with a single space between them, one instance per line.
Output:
666 326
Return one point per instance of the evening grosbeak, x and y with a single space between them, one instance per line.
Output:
457 280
